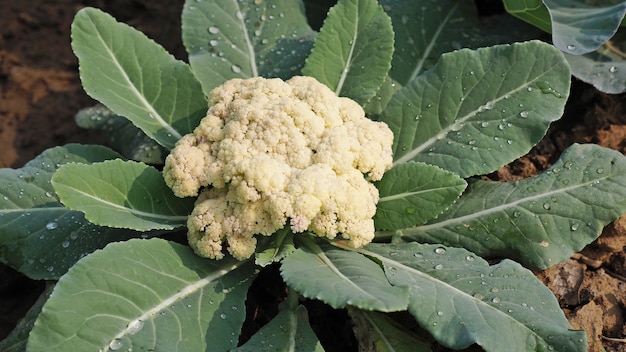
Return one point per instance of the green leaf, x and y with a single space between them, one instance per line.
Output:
288 331
604 68
136 78
121 194
143 295
121 134
377 332
425 29
352 54
274 248
478 110
38 235
413 193
579 28
531 11
339 278
242 39
538 221
461 300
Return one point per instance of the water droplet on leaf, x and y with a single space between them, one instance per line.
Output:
116 344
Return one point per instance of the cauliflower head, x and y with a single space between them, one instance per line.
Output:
273 153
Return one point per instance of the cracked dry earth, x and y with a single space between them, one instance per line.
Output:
40 92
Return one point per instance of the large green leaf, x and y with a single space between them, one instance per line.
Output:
233 38
580 26
38 235
136 78
352 53
341 278
288 331
538 221
478 110
425 29
145 295
121 194
461 300
413 193
121 134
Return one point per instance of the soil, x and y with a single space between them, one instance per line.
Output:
40 92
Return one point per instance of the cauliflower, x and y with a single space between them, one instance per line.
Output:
272 153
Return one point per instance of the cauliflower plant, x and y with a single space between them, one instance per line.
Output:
271 153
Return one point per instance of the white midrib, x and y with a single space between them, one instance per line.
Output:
334 269
184 292
408 194
133 211
249 46
150 109
431 45
346 69
503 207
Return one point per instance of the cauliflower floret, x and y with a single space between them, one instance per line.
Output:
271 154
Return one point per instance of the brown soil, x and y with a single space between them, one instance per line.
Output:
40 92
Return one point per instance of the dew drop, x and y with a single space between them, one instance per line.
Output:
574 226
440 250
470 258
600 171
116 344
495 289
478 295
440 313
571 47
484 124
410 210
613 69
65 244
236 69
530 89
223 316
48 194
438 266
213 42
52 225
496 300
546 206
134 326
523 114
418 255
214 30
